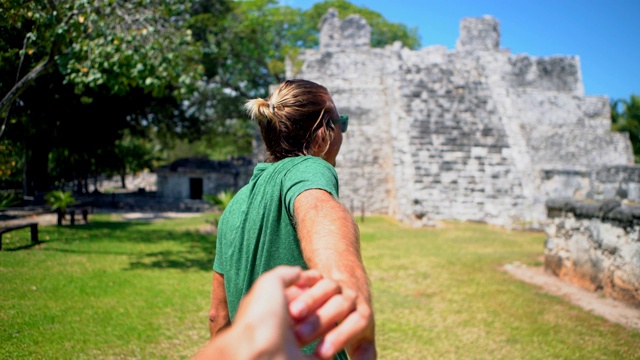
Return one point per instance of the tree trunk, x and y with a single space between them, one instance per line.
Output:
95 184
36 166
86 185
61 215
78 187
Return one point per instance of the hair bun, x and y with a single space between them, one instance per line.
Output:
259 109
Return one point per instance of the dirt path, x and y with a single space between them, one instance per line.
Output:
51 218
612 310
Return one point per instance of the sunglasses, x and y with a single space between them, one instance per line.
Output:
342 122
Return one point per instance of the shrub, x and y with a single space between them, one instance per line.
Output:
221 200
9 199
59 201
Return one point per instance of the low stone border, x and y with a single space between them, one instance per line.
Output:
595 245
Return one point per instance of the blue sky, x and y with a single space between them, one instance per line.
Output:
605 34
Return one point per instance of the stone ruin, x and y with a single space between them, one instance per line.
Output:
474 133
479 134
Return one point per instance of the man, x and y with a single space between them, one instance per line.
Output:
289 214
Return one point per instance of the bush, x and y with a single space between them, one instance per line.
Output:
59 201
221 200
9 199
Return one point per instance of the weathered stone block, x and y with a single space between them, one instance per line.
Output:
479 34
595 245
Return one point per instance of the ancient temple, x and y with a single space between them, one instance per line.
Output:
474 133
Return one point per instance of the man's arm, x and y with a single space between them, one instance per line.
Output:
330 243
219 312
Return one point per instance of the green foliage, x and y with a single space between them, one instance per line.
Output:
235 140
8 199
11 161
383 32
122 67
137 154
221 199
145 73
117 44
260 34
625 117
60 200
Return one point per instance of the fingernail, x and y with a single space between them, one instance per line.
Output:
324 349
298 309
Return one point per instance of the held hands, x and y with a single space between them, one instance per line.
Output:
351 312
285 309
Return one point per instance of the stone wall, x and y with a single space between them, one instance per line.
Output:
145 180
595 245
606 183
464 134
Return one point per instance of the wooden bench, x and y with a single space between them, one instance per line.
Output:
34 232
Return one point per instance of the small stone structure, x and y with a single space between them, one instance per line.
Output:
191 178
475 133
596 245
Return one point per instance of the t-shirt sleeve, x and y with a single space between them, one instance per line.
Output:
312 173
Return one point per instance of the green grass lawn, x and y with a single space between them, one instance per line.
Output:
137 290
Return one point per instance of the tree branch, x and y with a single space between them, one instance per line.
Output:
26 80
24 51
21 85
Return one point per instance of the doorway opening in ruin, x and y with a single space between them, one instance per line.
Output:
195 188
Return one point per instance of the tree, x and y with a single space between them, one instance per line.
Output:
116 43
625 116
135 69
383 32
81 55
260 34
136 154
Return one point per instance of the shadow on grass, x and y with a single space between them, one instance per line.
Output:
147 247
199 254
21 247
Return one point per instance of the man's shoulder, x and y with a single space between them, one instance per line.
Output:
305 162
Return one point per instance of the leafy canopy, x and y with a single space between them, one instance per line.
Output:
383 32
116 43
625 117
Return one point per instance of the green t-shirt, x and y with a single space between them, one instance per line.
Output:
256 232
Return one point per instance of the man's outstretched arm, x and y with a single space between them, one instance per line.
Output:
330 243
